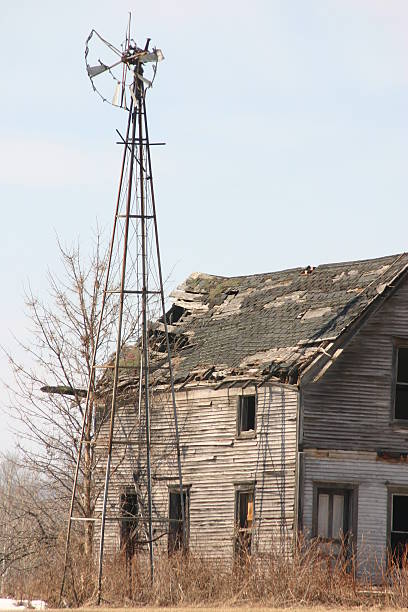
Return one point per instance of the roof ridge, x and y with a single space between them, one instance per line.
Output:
333 264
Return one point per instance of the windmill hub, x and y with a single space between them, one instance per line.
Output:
134 55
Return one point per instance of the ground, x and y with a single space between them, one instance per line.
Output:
232 609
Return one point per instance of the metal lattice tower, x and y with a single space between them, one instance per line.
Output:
133 291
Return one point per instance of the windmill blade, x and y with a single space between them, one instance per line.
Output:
93 71
115 100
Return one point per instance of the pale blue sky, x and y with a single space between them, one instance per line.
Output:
285 122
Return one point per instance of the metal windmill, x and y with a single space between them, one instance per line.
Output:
134 282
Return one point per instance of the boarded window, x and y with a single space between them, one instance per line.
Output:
244 520
333 514
399 525
175 536
401 387
129 521
246 413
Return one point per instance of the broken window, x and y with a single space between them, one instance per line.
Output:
399 526
401 386
175 537
246 413
244 520
129 521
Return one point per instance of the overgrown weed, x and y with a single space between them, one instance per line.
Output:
304 578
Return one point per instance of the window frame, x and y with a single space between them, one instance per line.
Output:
332 488
175 490
393 490
127 543
246 433
243 488
397 344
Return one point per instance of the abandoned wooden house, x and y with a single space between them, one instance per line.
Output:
292 396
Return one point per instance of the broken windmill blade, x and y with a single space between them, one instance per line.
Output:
112 80
133 290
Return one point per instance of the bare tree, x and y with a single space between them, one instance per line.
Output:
47 398
27 519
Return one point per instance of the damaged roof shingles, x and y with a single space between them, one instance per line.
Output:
273 321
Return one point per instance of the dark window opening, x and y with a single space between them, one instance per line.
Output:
246 413
399 527
401 386
244 520
129 522
176 541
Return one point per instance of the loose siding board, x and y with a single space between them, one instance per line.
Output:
351 406
214 461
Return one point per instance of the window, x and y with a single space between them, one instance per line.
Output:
244 520
399 525
175 536
401 384
332 514
335 520
129 523
246 414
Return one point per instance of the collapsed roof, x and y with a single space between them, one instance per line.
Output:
269 325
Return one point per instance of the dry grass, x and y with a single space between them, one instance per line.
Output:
272 581
243 608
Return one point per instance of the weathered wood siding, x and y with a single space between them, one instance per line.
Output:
351 406
374 479
349 413
214 461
